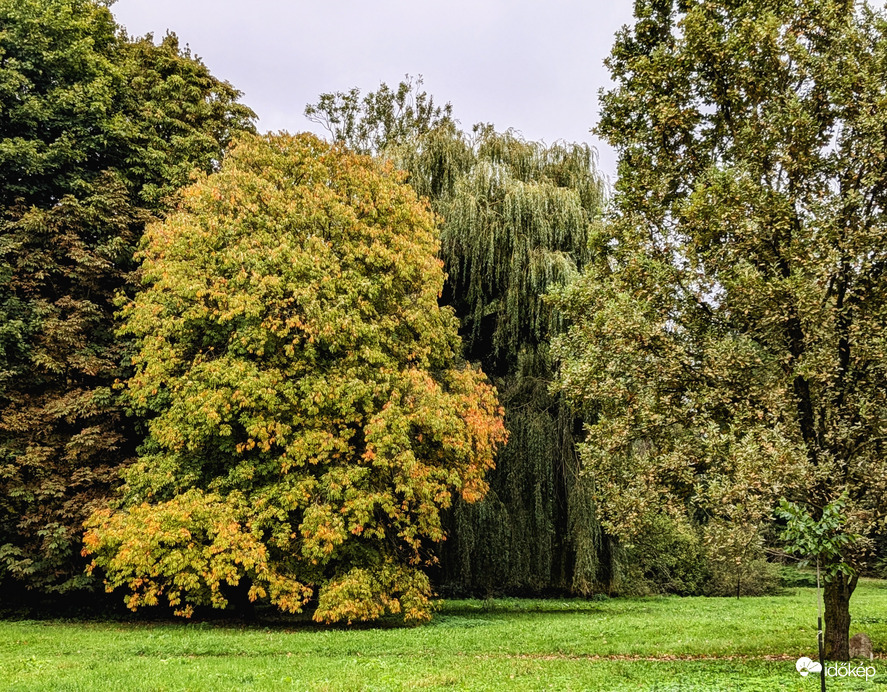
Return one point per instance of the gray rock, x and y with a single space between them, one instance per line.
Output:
861 646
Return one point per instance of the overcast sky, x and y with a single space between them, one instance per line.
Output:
531 65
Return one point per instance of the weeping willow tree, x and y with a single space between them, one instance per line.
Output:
518 217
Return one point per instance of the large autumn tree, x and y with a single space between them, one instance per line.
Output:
309 410
729 339
97 131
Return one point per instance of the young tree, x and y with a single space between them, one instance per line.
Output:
310 414
97 131
730 337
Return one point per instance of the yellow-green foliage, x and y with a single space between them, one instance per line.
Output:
310 414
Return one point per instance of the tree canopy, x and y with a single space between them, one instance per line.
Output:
98 131
309 411
517 217
517 220
381 119
728 342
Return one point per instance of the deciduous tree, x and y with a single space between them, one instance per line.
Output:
517 217
310 413
96 132
381 119
729 338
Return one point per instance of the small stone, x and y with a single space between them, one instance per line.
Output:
861 646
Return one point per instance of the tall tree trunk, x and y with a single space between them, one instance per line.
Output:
837 617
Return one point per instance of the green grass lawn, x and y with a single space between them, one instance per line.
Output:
662 644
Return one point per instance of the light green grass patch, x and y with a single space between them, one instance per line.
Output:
661 644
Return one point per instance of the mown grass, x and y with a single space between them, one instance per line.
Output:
652 644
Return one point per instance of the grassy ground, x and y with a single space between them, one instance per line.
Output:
652 644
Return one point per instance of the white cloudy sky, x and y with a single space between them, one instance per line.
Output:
531 65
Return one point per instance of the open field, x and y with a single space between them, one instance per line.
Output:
664 644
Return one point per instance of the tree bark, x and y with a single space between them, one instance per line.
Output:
837 594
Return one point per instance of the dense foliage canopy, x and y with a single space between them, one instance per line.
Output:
517 221
96 131
310 414
311 433
517 217
729 341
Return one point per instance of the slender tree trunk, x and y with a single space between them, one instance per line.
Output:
836 595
